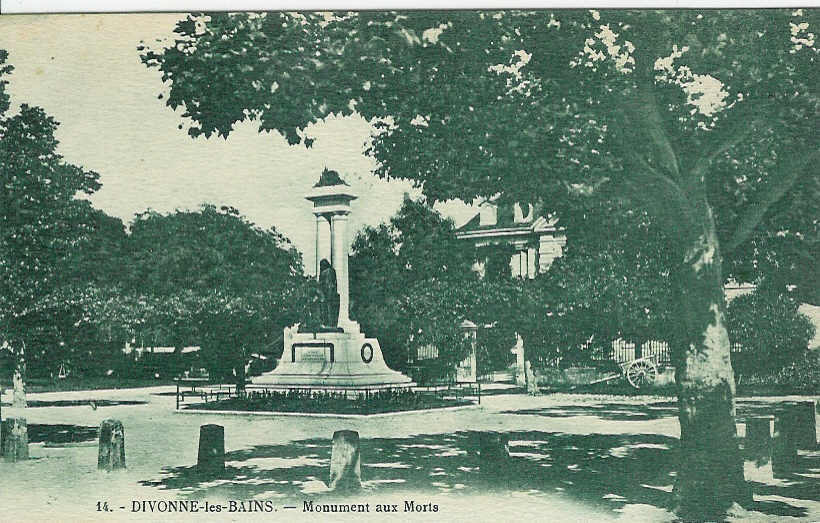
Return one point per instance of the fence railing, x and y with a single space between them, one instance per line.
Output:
623 351
213 392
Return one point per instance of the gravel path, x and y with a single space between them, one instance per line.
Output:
574 458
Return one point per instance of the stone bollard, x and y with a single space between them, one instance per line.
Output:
211 457
345 461
15 439
532 380
784 448
758 445
111 454
493 452
804 424
493 446
757 448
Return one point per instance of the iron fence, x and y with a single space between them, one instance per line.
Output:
623 351
207 393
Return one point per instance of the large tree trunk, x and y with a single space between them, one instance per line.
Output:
710 474
19 380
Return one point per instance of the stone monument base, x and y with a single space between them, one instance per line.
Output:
331 360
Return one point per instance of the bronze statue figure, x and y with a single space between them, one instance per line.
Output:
330 295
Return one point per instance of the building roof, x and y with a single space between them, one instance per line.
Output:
505 223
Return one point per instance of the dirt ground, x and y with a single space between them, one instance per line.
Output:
573 458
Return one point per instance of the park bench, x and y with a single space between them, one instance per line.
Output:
454 389
203 388
186 385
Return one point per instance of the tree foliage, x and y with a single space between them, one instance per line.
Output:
612 281
474 103
770 331
44 223
211 278
412 286
66 333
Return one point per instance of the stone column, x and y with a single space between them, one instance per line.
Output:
520 362
338 242
470 363
332 236
532 266
316 250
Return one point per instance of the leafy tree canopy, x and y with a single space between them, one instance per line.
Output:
640 104
209 249
43 220
412 286
612 281
209 277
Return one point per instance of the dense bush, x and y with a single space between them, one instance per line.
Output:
801 376
769 330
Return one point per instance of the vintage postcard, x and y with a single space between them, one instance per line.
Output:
466 265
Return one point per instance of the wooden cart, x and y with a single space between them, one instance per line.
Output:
639 372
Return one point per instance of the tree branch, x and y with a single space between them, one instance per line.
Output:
641 107
661 195
704 161
657 188
770 193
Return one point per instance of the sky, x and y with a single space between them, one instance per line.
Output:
85 71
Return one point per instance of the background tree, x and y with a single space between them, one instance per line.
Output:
209 278
770 331
78 344
705 120
612 281
43 223
412 286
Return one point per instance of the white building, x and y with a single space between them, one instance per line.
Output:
536 239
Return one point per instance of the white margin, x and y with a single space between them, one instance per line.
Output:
120 6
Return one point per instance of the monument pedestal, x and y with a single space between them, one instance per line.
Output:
331 360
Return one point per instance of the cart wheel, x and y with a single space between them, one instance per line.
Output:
641 373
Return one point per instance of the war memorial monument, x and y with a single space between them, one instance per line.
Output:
329 351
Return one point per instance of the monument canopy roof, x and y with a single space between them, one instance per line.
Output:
329 178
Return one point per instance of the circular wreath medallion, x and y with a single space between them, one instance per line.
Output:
367 353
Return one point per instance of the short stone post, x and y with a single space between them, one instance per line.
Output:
111 454
784 449
493 452
758 445
15 439
532 380
211 457
493 446
345 461
804 425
